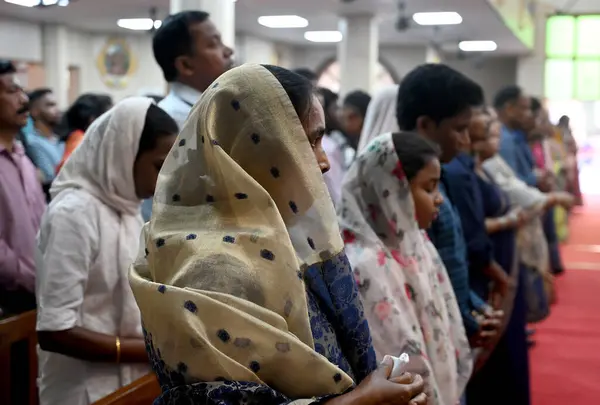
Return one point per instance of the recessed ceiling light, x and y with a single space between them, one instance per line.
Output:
24 3
477 46
138 24
438 18
38 3
283 21
323 36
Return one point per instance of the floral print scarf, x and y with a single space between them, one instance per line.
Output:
408 298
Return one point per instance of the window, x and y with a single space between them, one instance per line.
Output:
330 78
573 58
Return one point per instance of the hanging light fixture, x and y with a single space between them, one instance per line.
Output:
39 3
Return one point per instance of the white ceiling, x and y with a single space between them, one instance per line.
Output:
480 21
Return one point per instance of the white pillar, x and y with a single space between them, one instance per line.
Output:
222 14
531 68
249 49
358 53
56 62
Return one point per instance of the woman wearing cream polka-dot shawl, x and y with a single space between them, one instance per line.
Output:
243 245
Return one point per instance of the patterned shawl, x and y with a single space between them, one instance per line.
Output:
408 298
240 212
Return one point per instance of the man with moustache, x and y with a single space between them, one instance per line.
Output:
189 50
22 200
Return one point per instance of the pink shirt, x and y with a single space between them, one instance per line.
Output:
22 203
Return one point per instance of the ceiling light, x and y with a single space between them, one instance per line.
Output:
24 3
438 18
477 46
138 24
323 36
38 3
283 21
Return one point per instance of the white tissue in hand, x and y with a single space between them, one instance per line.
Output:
400 365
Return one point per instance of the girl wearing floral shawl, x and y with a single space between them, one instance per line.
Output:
408 298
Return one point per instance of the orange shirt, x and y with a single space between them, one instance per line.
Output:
72 142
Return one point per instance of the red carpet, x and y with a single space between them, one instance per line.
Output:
565 363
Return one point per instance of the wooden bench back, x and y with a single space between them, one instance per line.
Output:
18 341
140 392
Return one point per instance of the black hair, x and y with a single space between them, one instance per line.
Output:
157 124
105 101
329 97
37 94
414 152
306 73
564 120
298 88
536 105
80 114
436 91
359 100
7 67
508 94
173 39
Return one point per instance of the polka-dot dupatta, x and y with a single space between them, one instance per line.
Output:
240 211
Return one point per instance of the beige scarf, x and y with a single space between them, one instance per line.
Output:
240 209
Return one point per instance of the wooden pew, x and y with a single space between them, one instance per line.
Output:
140 392
18 341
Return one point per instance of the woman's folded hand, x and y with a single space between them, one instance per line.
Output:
379 389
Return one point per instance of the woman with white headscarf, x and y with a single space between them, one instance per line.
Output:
381 116
88 323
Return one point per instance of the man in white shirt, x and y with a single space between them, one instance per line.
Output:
189 50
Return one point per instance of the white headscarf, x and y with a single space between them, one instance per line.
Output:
408 298
102 165
381 116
